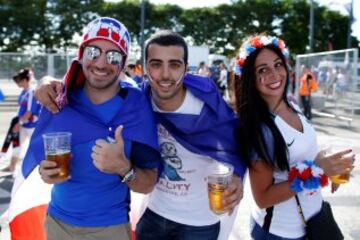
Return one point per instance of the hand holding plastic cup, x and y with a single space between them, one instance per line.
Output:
57 146
334 147
219 178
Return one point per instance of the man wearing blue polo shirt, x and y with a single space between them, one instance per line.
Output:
114 142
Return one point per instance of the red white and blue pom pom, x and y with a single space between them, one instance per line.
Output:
307 177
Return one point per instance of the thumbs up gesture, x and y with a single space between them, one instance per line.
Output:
110 157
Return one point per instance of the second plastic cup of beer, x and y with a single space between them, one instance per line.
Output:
337 146
57 147
219 178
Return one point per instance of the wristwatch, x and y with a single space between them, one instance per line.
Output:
129 176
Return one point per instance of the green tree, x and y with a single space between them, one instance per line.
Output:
128 12
240 21
69 17
165 17
156 16
45 24
333 29
22 25
51 24
202 24
295 24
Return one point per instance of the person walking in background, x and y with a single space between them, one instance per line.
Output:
223 80
278 143
308 85
292 86
138 68
11 139
23 126
203 70
131 72
341 83
2 96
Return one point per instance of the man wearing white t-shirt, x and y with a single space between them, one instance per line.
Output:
223 80
195 129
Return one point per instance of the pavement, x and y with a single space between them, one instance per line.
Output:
345 202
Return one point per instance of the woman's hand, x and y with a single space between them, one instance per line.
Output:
336 163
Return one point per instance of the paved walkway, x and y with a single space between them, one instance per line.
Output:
345 202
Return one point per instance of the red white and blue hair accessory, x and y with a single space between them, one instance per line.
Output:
307 177
254 43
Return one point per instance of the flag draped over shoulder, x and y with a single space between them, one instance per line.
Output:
134 114
213 132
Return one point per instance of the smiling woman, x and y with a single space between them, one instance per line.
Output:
275 136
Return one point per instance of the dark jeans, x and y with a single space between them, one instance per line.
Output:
306 103
11 137
257 233
155 227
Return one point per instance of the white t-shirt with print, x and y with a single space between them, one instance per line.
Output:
181 192
286 220
223 78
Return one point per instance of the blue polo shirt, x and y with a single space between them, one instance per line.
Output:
28 103
92 198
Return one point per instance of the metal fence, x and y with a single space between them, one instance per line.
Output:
338 76
42 64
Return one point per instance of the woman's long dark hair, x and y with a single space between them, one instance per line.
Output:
255 114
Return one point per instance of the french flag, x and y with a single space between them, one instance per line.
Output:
28 206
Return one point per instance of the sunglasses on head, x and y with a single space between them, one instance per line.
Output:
113 57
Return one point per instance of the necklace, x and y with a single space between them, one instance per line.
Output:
276 106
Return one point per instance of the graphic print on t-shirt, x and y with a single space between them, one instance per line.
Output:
172 163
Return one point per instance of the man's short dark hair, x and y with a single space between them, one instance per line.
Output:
167 38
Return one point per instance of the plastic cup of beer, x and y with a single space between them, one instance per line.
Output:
334 147
219 178
57 147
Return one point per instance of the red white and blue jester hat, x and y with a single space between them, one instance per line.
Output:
102 28
109 29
